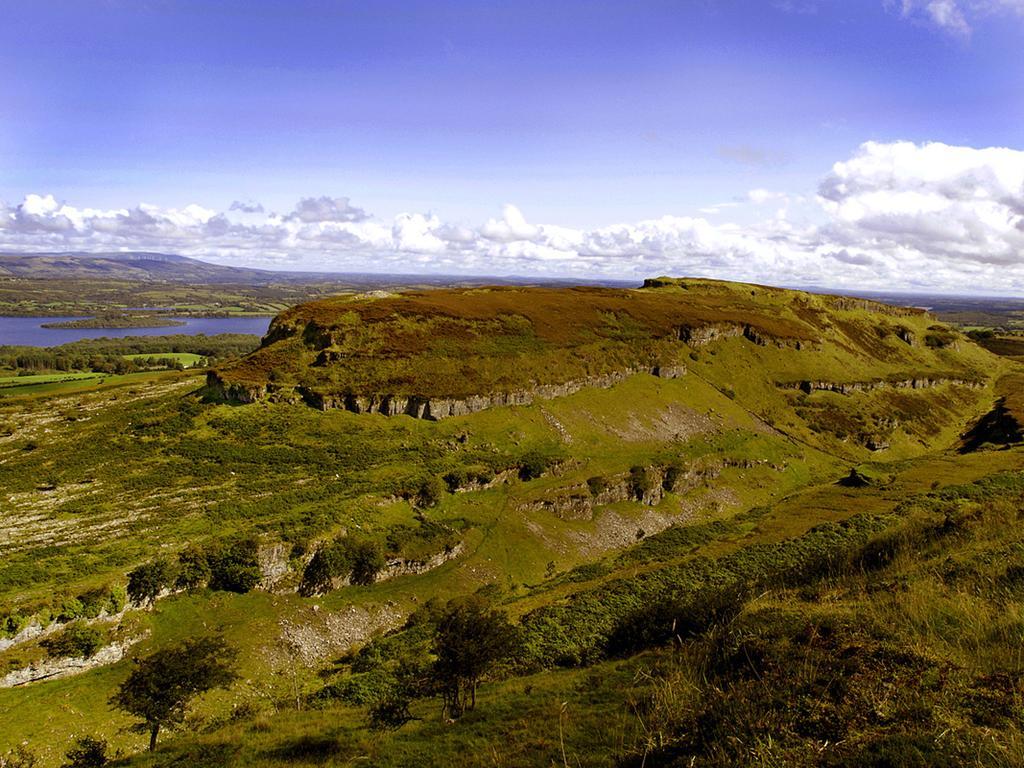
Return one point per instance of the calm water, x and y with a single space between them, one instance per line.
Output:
27 331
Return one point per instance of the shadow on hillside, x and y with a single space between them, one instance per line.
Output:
306 749
997 427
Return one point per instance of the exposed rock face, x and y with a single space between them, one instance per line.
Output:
52 669
400 567
435 408
849 387
274 567
906 335
851 303
699 335
579 502
236 392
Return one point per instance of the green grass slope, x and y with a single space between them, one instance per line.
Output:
589 519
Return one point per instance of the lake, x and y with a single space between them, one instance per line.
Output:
27 331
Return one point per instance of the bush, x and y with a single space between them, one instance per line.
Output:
193 569
429 492
641 482
367 562
234 566
331 561
74 640
359 560
147 581
87 752
534 464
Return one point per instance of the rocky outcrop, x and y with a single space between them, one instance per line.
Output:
699 335
906 335
236 392
274 565
647 486
402 567
53 669
432 408
398 566
850 303
850 387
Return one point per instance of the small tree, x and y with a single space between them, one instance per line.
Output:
147 581
367 561
235 566
193 569
163 684
331 561
470 639
86 752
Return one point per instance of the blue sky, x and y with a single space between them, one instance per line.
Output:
584 115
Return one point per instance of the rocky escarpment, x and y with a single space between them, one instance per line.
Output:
643 485
850 387
699 335
851 303
53 669
430 408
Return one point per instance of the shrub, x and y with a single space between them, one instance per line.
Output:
95 601
193 569
147 581
331 561
429 492
86 752
367 562
234 566
534 464
74 640
641 482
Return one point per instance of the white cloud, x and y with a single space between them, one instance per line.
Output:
246 207
327 209
955 203
761 196
954 16
893 215
511 227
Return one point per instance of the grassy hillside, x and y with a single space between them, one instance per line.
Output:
458 343
718 500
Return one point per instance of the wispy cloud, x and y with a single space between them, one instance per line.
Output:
955 17
746 154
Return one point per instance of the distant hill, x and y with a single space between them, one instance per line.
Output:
133 266
145 266
885 371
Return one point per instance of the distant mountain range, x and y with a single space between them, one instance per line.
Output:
144 266
140 266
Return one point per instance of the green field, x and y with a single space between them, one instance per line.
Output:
43 378
188 359
67 383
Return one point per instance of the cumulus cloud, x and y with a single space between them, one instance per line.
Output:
327 209
957 204
893 215
246 207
